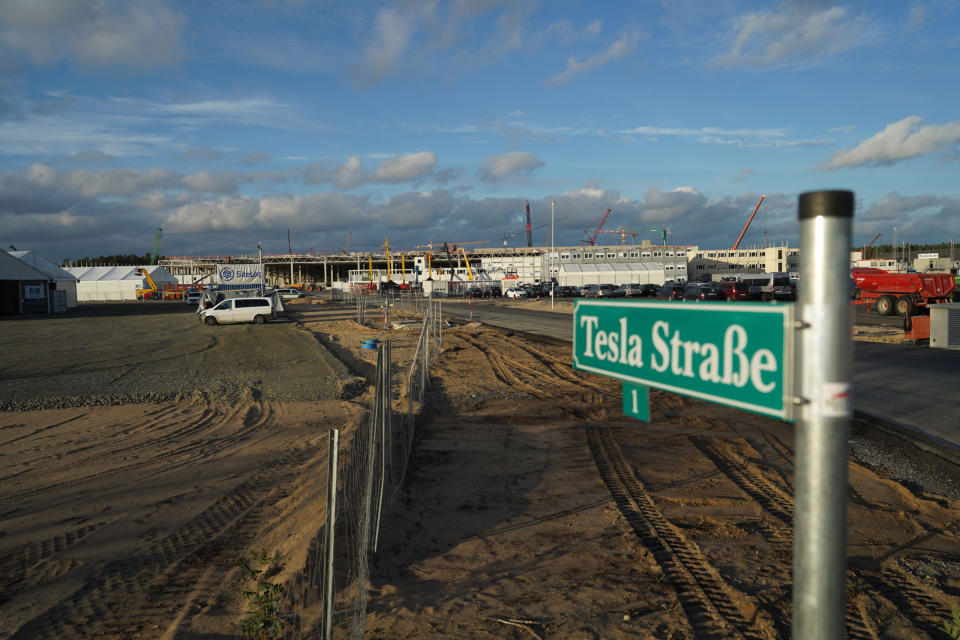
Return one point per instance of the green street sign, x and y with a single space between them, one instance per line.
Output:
740 355
636 401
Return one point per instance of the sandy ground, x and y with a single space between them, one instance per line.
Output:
533 506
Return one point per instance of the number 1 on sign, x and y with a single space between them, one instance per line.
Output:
636 401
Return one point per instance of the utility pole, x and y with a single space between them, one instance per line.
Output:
260 259
553 204
290 253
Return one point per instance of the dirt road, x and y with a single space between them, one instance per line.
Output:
531 502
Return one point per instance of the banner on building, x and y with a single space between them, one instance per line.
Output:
238 274
33 292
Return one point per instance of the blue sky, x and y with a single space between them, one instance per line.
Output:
228 123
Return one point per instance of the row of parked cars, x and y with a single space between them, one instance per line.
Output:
699 291
730 291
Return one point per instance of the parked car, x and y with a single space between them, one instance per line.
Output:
515 293
649 290
630 290
671 291
493 292
193 296
289 293
567 292
691 292
537 291
704 292
233 310
608 291
587 289
733 290
473 292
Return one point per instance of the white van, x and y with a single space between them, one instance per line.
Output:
256 310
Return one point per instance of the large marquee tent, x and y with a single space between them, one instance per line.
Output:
110 284
581 273
62 281
23 289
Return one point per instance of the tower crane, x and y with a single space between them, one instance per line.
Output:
591 238
870 245
155 256
623 233
509 236
663 230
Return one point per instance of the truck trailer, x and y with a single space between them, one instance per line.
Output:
901 293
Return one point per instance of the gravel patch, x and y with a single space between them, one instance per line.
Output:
916 470
141 354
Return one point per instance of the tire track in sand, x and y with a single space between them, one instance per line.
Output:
710 604
899 589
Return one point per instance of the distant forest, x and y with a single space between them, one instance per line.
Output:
943 248
120 259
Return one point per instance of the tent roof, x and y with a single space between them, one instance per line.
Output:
13 269
610 267
40 263
104 274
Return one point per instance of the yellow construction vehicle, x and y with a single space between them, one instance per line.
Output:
469 270
150 293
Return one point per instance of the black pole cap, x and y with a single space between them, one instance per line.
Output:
830 204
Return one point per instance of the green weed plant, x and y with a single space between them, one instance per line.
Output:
263 620
952 629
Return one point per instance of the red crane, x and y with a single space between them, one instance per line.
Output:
870 245
529 229
592 238
746 226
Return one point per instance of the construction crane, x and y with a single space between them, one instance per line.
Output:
870 245
591 238
509 236
623 233
746 226
663 230
155 256
529 229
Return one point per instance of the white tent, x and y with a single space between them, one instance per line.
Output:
110 284
578 274
23 289
63 281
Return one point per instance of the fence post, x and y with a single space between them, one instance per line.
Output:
333 459
383 391
820 483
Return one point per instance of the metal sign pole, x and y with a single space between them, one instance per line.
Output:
825 391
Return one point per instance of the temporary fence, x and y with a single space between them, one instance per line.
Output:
365 473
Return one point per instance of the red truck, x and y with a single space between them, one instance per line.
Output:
900 293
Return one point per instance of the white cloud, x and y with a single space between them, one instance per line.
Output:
134 34
216 181
797 33
392 31
744 137
223 214
403 168
507 164
898 141
622 47
351 174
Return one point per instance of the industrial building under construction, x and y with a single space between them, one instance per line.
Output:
572 265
